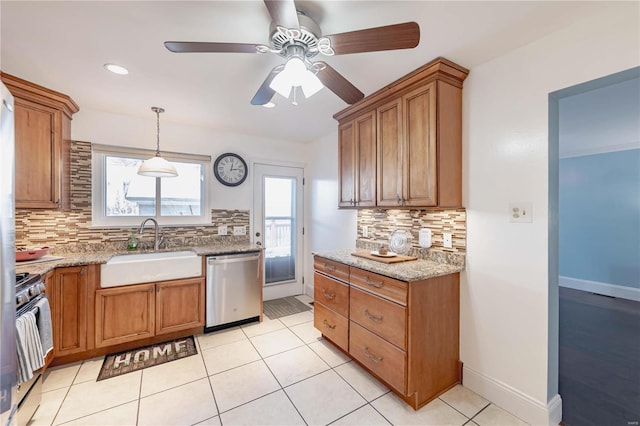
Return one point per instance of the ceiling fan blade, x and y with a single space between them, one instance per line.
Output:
265 93
339 85
283 13
390 37
206 47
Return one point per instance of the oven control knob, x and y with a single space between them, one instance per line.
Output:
20 299
42 288
34 291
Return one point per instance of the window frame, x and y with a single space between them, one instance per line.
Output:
99 219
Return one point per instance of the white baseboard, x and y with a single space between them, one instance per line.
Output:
514 401
613 290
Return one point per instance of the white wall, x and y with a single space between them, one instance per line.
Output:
122 130
329 228
505 288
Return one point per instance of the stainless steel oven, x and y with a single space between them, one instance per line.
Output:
29 292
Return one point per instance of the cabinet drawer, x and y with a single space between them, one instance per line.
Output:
380 285
339 271
334 327
331 293
381 357
384 318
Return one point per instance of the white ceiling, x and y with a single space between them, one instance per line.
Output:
64 44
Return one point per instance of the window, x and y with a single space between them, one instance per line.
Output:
121 197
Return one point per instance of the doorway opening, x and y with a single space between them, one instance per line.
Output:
592 365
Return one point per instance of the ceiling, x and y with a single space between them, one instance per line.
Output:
64 44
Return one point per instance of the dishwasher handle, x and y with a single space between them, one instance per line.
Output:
218 260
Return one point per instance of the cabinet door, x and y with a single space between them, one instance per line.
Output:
419 147
389 149
346 169
38 154
179 305
69 310
124 314
365 160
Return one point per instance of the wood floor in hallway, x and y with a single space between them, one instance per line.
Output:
599 359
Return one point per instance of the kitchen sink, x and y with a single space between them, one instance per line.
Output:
139 268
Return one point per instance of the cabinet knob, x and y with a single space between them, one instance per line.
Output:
398 200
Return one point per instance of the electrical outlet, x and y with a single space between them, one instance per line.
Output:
424 238
520 212
239 230
365 231
446 240
222 230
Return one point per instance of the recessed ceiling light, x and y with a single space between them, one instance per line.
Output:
269 105
116 69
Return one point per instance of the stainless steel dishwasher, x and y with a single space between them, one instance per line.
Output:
234 290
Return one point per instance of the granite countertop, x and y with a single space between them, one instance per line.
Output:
78 259
414 270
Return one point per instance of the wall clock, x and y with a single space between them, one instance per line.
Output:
230 169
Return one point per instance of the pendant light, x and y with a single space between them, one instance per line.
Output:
157 166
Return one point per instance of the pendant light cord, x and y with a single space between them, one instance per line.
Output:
157 110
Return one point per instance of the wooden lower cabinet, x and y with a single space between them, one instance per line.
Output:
129 313
179 305
404 333
124 314
70 294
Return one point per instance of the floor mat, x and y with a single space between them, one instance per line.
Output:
282 307
147 356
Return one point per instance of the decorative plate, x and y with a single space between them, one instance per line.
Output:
387 254
400 241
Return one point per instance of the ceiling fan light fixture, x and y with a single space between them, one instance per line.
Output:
311 84
157 166
281 84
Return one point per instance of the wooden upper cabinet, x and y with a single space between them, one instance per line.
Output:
419 172
42 144
346 167
365 138
389 149
418 137
357 161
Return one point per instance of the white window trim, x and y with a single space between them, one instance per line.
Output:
100 220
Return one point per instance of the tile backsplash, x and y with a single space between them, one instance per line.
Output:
381 223
70 231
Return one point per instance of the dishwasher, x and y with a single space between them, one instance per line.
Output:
234 290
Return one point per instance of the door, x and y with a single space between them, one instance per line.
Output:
346 161
366 160
277 226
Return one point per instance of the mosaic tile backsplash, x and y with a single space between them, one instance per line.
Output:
381 223
69 231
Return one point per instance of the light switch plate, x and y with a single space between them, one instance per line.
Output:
222 230
239 230
424 237
520 212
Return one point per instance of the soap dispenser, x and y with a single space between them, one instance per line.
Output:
133 242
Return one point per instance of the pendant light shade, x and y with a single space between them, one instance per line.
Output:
157 166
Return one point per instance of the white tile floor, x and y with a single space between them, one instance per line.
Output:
279 372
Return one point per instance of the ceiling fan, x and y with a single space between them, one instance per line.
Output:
297 38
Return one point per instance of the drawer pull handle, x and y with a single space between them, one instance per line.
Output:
329 267
329 326
375 359
327 295
372 317
376 284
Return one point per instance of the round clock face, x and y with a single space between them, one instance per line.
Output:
230 169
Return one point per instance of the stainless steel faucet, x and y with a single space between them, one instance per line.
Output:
156 241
